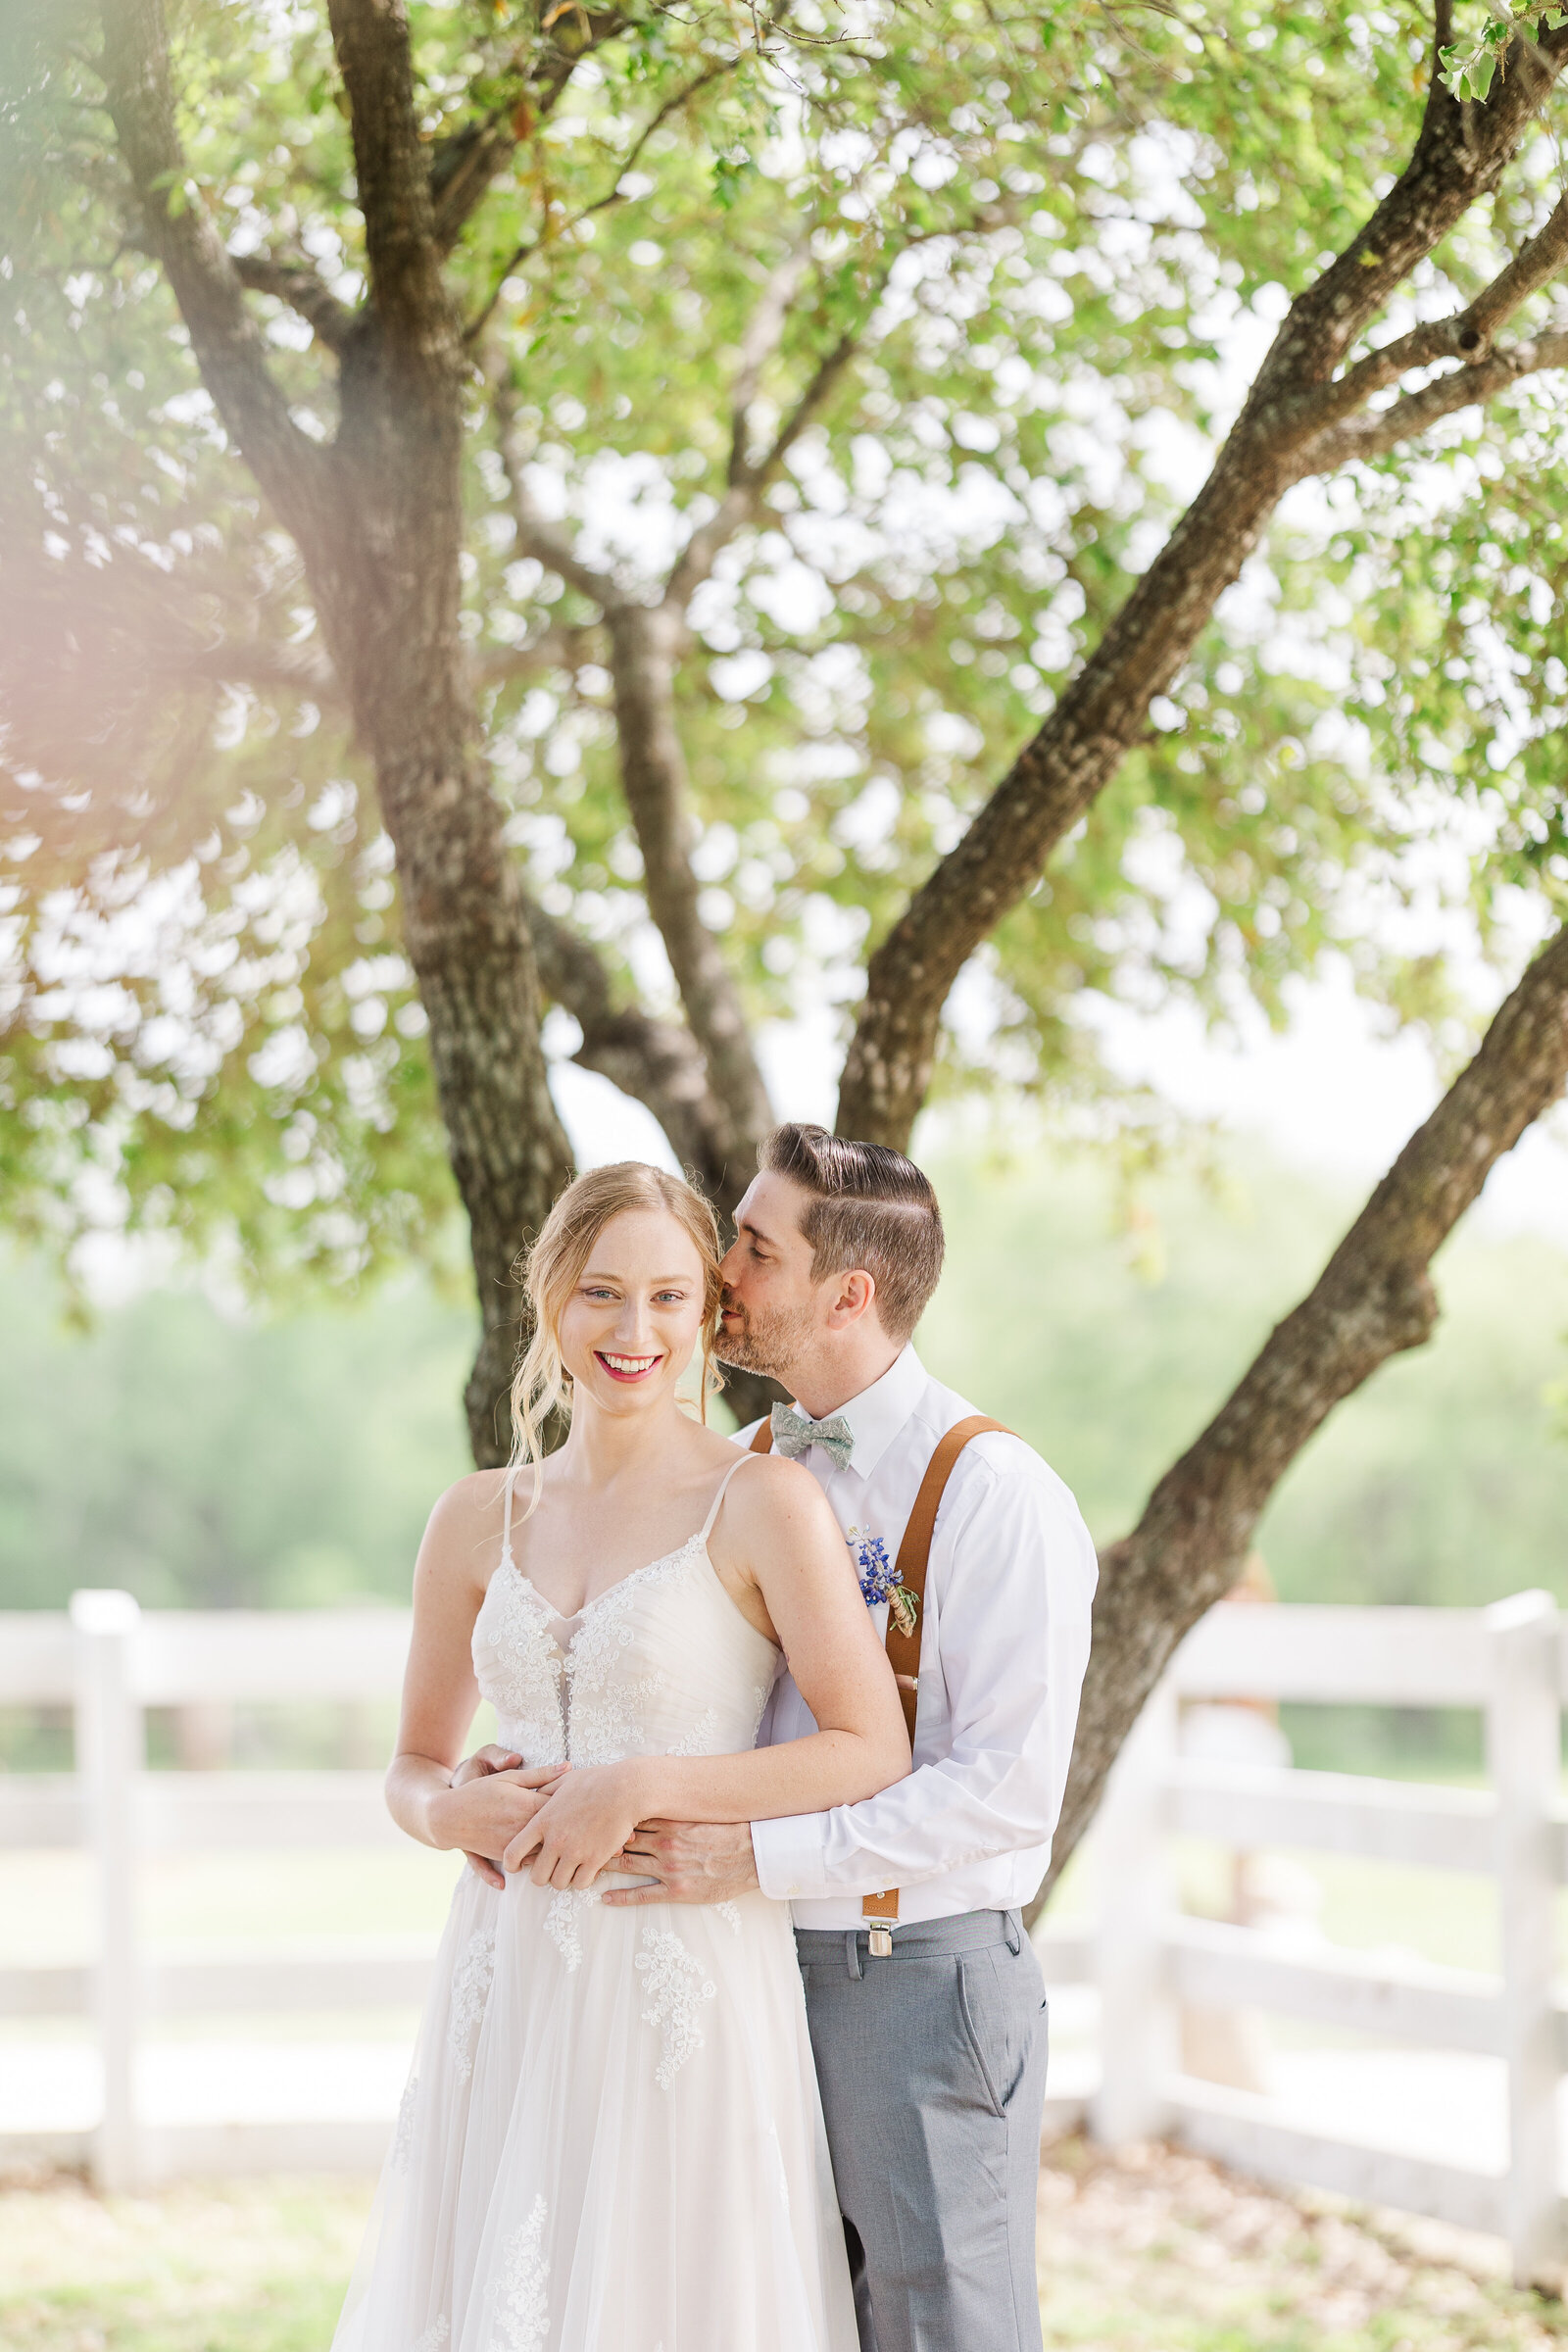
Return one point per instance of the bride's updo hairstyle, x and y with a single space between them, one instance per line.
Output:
542 1385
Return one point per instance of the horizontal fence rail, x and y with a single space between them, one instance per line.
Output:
108 1663
1511 1663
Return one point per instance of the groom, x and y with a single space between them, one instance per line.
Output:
924 1995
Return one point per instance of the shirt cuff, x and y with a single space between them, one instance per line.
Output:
790 1855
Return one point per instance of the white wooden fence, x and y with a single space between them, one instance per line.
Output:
109 1662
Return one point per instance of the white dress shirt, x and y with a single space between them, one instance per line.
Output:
1004 1647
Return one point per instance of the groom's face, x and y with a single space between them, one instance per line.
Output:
771 1307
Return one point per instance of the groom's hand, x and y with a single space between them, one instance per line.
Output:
694 1862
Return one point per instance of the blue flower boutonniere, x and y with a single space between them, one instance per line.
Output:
880 1580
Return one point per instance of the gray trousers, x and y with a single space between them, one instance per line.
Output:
933 2073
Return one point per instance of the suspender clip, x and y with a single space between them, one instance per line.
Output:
881 1914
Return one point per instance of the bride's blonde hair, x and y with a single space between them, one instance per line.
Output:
553 1265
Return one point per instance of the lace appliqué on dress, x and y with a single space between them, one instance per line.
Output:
562 1924
698 1740
730 1914
470 1989
675 1997
522 2306
403 2132
434 2336
609 1709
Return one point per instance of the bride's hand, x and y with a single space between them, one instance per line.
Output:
580 1827
489 1805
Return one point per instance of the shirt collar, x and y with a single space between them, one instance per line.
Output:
876 1416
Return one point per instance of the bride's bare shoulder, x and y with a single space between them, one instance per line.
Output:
773 1493
465 1528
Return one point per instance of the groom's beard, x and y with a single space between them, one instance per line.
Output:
771 1344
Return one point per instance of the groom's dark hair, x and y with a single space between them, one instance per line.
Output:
870 1207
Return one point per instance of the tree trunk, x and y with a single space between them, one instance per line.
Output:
378 520
391 620
1373 1299
399 444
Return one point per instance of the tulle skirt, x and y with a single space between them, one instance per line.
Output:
611 2141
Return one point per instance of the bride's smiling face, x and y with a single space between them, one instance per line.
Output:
635 1313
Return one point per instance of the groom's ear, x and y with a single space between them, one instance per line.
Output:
853 1297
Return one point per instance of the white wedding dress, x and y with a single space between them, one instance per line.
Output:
611 2138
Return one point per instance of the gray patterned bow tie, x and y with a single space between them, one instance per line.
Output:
794 1431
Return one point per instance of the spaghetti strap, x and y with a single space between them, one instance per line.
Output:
707 1527
506 1519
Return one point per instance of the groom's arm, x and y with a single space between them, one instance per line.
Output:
1014 1572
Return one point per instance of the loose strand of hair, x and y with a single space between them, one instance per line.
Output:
539 1388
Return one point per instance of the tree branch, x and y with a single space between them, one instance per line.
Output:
463 165
559 647
536 535
393 181
1466 335
1458 157
748 481
1383 429
658 1063
296 285
1460 154
612 194
1373 1299
747 478
644 646
764 330
290 467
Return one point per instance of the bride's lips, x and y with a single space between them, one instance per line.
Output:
629 1370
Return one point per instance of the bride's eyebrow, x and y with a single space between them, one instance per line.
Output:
657 1281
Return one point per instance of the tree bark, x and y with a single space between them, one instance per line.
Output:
1373 1299
391 618
1293 424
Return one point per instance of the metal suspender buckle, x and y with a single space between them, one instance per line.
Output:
881 1914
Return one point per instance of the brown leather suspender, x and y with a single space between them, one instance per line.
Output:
881 1911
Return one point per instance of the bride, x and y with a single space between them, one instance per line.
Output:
611 2138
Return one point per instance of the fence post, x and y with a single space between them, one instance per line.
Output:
1136 2029
1523 1758
110 1755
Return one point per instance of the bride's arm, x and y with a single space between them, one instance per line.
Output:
780 1539
439 1692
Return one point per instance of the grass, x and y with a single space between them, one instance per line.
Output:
216 2266
1156 2251
1152 2251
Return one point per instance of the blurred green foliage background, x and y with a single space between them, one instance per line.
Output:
209 1462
